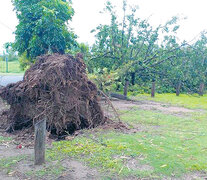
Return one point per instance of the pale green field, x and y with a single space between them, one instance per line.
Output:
13 67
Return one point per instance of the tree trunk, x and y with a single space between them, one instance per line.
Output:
133 78
201 89
126 87
153 89
178 86
118 96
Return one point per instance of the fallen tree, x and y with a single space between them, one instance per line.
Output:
55 87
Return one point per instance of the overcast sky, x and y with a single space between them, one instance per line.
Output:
87 16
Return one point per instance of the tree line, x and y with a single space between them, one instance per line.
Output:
128 55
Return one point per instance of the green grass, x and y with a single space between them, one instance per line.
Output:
13 67
171 145
185 100
4 139
9 163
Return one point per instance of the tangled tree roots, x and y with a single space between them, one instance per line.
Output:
56 87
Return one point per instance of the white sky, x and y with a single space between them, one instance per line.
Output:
87 16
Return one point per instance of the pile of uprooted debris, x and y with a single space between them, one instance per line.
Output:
56 87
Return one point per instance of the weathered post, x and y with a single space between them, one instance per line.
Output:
126 87
153 89
201 89
178 88
40 136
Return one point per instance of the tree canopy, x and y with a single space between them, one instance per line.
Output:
43 27
138 52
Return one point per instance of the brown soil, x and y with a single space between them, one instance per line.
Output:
56 87
150 105
73 169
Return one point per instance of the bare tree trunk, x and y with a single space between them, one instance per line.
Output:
178 88
133 78
126 87
201 89
153 89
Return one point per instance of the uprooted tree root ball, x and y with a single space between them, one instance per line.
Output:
56 87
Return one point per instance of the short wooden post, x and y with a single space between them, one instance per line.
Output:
126 87
201 89
40 136
153 89
178 88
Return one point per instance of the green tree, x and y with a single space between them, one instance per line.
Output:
42 27
132 46
197 53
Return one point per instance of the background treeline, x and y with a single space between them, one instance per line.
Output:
129 54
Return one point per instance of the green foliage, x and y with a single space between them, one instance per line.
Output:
42 27
140 53
132 47
105 80
24 61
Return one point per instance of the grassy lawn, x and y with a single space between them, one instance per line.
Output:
189 101
13 67
168 145
160 146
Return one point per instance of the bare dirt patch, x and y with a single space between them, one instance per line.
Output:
193 176
134 164
78 171
5 177
25 168
150 105
8 150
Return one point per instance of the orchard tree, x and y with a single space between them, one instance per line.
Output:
197 54
131 46
42 27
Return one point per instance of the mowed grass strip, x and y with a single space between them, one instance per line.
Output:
185 100
170 145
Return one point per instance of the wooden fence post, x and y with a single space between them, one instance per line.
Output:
40 136
126 87
201 89
153 89
178 88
